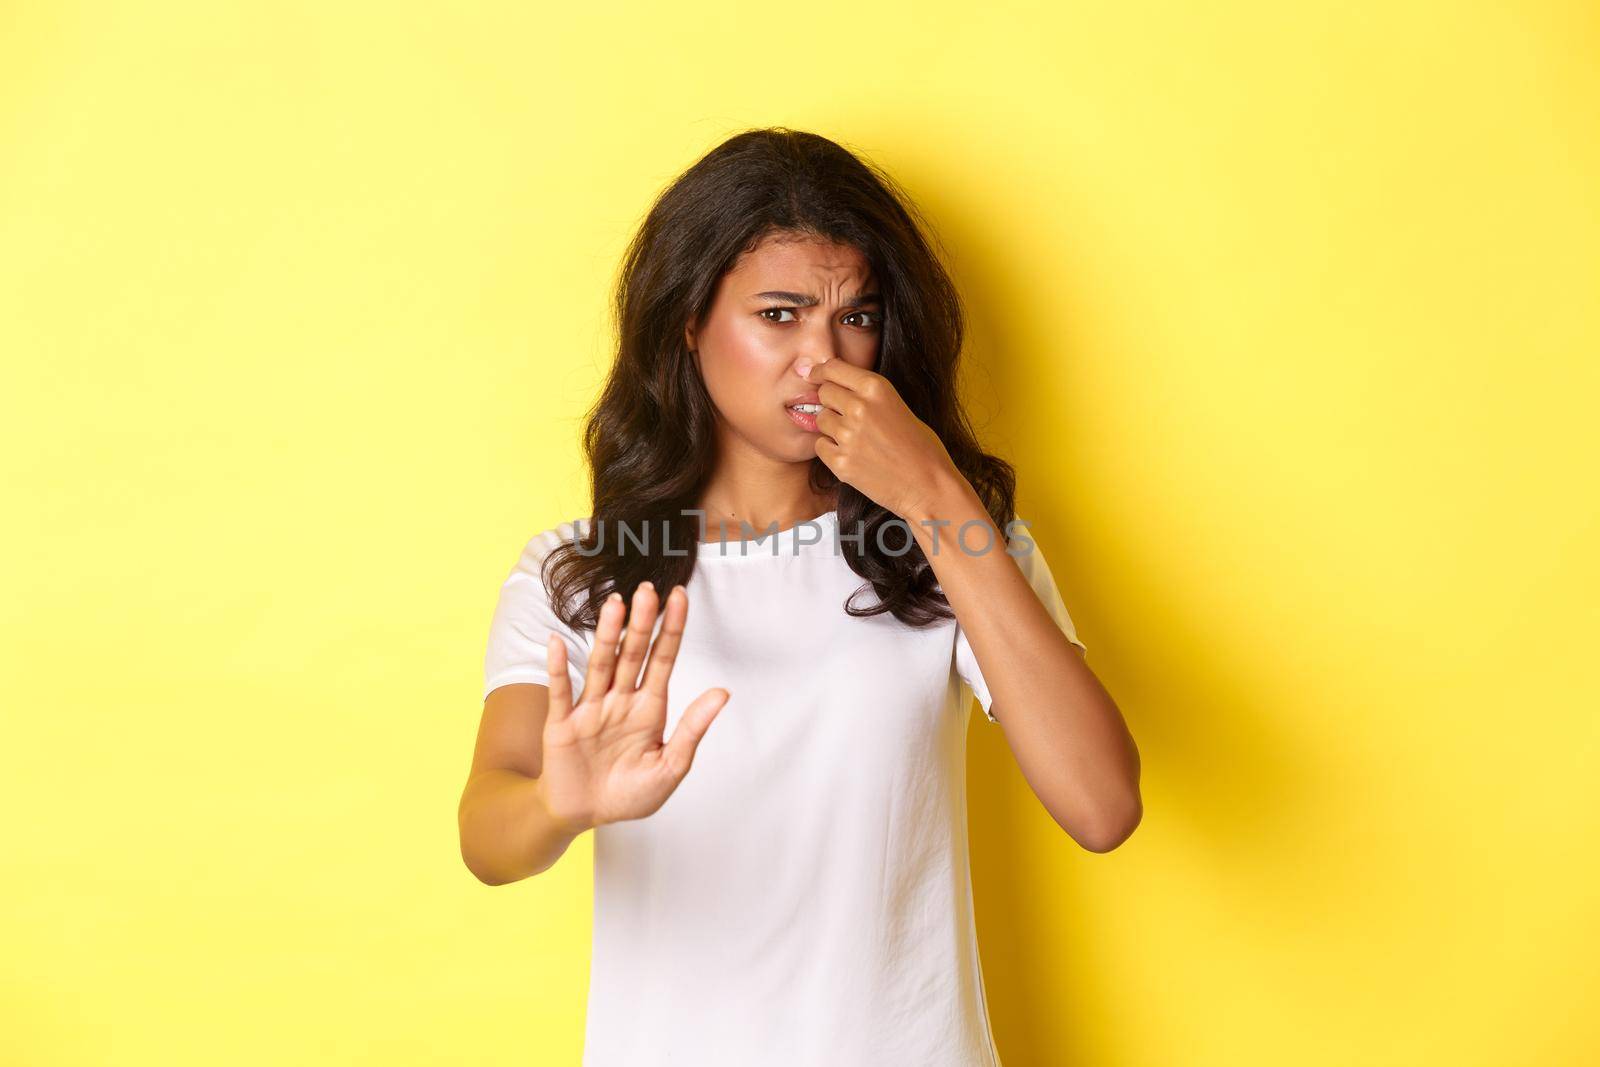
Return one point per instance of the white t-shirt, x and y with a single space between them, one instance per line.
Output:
804 896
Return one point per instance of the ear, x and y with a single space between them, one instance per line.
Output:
688 336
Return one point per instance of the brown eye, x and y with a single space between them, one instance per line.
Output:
765 312
877 318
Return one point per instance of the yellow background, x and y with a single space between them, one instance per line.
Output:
1286 313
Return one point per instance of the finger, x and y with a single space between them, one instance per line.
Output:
560 685
641 623
678 754
829 421
665 651
603 656
851 405
833 396
842 373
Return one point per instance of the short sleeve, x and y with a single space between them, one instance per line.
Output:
524 620
1030 560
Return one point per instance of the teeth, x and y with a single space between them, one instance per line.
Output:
810 409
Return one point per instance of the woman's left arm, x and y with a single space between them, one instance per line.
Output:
1066 732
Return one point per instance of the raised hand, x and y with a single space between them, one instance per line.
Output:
604 760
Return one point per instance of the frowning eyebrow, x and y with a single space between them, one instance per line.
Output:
805 301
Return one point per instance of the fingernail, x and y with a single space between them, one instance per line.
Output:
646 585
804 367
613 598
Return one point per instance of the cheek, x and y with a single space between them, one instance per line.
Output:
736 355
861 350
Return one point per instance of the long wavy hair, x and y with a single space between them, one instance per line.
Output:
650 438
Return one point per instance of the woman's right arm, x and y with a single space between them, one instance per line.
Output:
507 831
546 769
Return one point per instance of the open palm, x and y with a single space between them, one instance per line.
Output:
604 760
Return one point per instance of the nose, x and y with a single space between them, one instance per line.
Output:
806 364
817 349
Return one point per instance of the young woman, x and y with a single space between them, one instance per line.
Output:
786 368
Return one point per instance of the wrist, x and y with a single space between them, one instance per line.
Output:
568 825
951 502
946 496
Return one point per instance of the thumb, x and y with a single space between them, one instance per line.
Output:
560 685
680 748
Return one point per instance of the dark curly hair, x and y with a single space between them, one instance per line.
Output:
650 437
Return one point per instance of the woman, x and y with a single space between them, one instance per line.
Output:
786 368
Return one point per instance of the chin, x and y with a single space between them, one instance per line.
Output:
790 451
785 442
793 452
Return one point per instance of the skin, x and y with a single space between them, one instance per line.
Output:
749 349
1067 735
545 768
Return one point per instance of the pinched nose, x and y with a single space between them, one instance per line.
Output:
813 359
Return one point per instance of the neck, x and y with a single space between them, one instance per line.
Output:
761 494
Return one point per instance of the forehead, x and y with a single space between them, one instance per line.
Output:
781 257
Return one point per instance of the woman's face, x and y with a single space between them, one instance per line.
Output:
791 298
